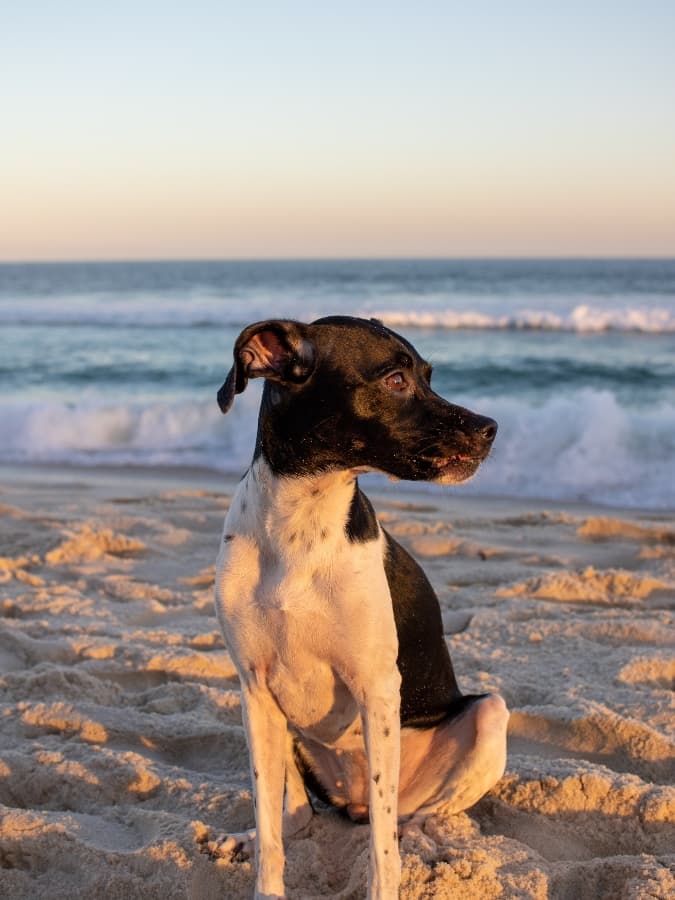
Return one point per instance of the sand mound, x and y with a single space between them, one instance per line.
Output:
658 672
15 567
90 543
588 586
602 528
415 528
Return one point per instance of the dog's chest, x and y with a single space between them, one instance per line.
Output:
296 629
303 608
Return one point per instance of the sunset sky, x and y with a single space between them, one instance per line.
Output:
218 129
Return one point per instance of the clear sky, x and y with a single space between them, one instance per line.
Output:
245 129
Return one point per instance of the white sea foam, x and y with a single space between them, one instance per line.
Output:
576 445
581 445
582 318
183 433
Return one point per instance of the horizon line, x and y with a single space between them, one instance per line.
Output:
150 260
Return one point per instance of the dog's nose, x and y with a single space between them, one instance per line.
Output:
486 428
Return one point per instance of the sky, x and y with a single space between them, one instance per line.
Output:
134 130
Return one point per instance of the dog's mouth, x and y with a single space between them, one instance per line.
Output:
454 468
444 461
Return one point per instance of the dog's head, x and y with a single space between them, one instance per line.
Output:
346 393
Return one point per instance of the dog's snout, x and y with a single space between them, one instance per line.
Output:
486 429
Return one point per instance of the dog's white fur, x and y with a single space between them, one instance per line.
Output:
307 616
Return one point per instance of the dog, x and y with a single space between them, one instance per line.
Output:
347 686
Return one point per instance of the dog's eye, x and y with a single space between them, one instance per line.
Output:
396 381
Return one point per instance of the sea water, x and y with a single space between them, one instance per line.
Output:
119 363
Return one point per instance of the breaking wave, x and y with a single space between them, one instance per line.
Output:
581 445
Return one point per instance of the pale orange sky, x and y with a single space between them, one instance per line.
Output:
142 132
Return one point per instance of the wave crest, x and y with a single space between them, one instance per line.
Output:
583 318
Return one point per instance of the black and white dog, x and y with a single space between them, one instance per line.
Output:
347 684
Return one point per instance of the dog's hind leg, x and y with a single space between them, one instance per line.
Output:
453 764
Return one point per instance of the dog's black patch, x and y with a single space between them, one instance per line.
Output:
309 777
362 522
429 688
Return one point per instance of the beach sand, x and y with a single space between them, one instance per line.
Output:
122 753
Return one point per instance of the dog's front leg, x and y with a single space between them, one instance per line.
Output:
266 735
382 733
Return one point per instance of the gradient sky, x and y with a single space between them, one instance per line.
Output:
218 129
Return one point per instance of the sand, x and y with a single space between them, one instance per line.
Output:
122 754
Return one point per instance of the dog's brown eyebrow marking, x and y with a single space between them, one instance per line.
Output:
400 360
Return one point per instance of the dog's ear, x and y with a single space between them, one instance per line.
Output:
277 349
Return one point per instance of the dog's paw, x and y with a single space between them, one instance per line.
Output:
236 847
414 838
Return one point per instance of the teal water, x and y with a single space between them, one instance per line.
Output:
119 362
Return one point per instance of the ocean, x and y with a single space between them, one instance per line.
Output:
119 363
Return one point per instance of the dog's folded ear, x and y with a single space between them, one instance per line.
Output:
277 349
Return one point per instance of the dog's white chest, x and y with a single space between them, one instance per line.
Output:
303 608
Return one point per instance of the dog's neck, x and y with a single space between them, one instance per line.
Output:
300 509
